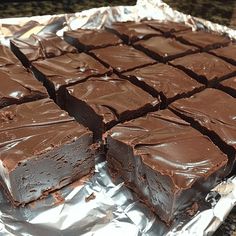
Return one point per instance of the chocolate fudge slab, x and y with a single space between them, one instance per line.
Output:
131 32
213 112
164 81
204 67
42 149
65 70
40 47
164 49
19 86
100 103
170 165
229 86
122 58
7 57
202 39
167 27
87 39
226 53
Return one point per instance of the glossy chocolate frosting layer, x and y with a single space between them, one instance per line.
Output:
7 57
164 160
87 39
202 39
229 86
165 81
18 86
226 53
122 58
131 32
214 112
110 99
40 47
41 149
204 67
164 49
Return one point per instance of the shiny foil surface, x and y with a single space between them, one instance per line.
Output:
98 205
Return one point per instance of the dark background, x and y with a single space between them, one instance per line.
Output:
214 10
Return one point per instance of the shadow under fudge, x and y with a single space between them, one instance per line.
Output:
42 149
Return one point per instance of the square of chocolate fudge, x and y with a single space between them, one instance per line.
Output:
205 68
131 32
227 53
38 47
213 112
101 102
66 70
164 49
7 57
229 86
164 81
122 57
167 27
87 39
19 86
42 149
203 39
170 165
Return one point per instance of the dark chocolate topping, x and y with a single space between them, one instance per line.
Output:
203 39
166 47
122 57
34 128
40 47
92 39
214 110
165 79
69 68
205 66
167 144
111 97
7 57
230 83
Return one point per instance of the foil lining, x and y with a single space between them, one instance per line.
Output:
98 205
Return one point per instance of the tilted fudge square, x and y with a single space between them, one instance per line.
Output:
66 70
122 58
167 27
226 53
19 86
7 57
164 49
213 112
42 149
170 165
87 39
40 47
131 32
167 82
100 103
202 39
229 86
205 68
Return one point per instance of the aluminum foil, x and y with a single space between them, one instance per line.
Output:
98 205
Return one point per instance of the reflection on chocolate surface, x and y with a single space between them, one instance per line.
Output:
165 81
40 47
156 155
131 32
214 113
104 101
18 86
42 149
87 39
122 57
204 67
164 49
